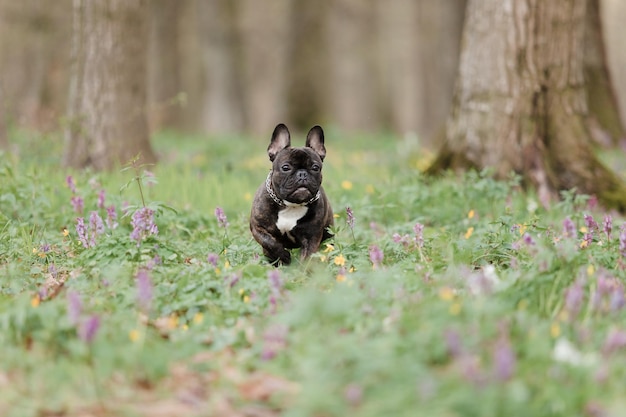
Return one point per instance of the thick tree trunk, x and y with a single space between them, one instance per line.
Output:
520 102
164 78
613 15
107 121
604 119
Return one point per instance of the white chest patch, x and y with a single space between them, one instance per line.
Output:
289 216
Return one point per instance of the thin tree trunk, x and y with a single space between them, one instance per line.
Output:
223 109
264 31
520 102
164 79
352 99
107 121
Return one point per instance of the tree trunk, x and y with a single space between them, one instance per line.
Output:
604 119
613 15
33 58
164 79
223 109
352 96
264 31
107 121
520 102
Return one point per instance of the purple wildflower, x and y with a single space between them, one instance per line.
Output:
607 226
617 300
504 360
274 340
353 394
234 279
453 343
528 239
78 204
70 183
101 198
52 270
569 228
590 223
74 307
44 248
143 224
350 217
376 255
96 227
149 178
111 217
275 281
212 258
404 240
419 234
221 217
574 297
615 340
587 240
81 231
89 328
145 290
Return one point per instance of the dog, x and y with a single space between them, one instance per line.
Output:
290 209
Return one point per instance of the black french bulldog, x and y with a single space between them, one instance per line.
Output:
290 209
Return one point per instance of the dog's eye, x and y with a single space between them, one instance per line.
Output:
315 167
285 168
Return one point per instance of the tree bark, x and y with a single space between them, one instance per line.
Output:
604 119
520 102
264 31
352 96
164 75
223 110
107 121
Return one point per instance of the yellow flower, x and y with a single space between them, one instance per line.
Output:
323 258
590 270
240 291
226 264
346 185
446 294
339 260
329 248
198 318
469 232
584 244
555 330
522 229
184 327
351 269
217 271
172 321
369 188
246 298
341 277
471 214
134 335
335 216
35 301
583 229
66 232
35 250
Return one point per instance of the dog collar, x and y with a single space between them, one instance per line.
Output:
282 203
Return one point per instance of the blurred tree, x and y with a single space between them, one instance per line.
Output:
418 62
165 97
223 108
520 101
33 58
106 115
352 93
264 35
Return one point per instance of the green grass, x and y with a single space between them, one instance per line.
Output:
471 322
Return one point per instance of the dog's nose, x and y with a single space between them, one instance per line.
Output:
302 175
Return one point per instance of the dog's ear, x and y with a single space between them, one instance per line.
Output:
280 140
315 140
